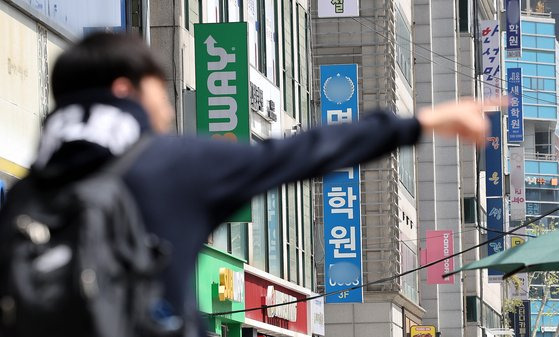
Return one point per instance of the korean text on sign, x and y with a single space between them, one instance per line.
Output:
491 58
341 191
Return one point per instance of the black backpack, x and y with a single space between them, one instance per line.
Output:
76 261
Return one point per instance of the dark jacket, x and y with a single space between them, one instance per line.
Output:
185 186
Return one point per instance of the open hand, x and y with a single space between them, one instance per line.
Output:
465 118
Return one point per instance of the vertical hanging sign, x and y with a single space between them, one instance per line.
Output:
494 190
517 184
493 159
341 191
222 106
491 58
514 41
439 244
516 119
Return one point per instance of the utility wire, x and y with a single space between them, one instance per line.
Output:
386 279
427 58
439 55
501 232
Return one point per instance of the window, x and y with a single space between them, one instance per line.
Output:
542 195
407 169
307 231
403 45
288 71
260 26
259 232
214 11
200 11
292 234
409 282
234 10
470 210
231 238
76 20
543 142
186 8
274 233
464 14
472 309
271 40
239 244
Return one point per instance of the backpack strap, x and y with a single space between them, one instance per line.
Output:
120 164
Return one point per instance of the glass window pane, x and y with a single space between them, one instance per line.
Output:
293 264
546 29
274 233
407 164
528 41
270 39
547 112
234 11
259 232
530 56
549 85
546 70
308 271
543 56
528 69
547 98
239 240
530 97
528 27
530 111
292 231
220 237
546 42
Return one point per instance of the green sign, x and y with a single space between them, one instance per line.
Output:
211 266
222 84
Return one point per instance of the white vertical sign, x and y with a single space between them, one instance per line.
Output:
338 8
517 184
491 58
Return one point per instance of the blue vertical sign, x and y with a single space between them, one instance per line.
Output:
514 41
341 190
495 229
494 190
515 120
493 154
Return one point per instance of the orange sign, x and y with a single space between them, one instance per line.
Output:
423 331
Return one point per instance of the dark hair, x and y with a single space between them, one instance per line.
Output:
99 59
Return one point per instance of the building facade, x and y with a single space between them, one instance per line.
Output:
539 84
389 218
33 34
276 241
410 56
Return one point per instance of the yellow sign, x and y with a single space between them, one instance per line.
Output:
423 331
516 241
231 285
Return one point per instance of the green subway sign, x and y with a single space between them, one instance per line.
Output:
222 86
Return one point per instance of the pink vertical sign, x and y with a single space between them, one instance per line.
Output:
439 245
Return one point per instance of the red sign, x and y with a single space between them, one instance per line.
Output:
440 244
260 292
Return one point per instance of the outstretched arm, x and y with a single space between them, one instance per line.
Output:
237 172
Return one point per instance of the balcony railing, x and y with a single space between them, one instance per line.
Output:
541 156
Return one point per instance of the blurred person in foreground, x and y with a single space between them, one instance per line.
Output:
185 187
